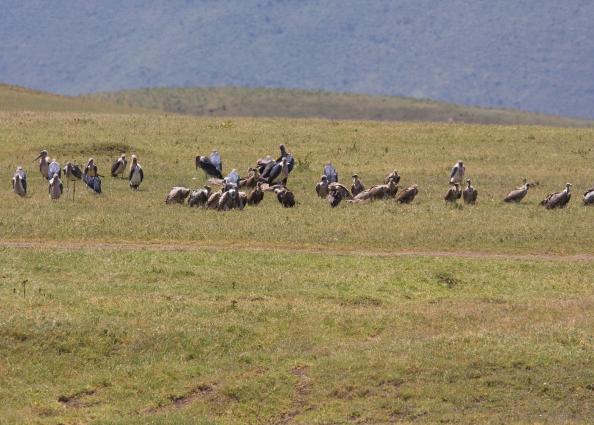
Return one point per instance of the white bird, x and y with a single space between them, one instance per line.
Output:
56 188
457 173
233 177
136 174
19 182
54 168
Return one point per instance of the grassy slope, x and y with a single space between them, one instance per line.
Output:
15 98
225 102
141 337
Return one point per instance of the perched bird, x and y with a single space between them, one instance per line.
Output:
54 168
119 166
136 174
589 196
558 199
198 198
322 186
91 168
177 195
256 196
457 173
55 187
454 193
357 186
393 176
19 182
43 163
519 193
285 197
208 167
215 159
469 194
330 173
408 194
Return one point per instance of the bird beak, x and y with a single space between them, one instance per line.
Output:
39 156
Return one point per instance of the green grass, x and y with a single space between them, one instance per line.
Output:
497 157
232 338
237 101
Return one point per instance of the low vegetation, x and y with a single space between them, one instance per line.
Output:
235 101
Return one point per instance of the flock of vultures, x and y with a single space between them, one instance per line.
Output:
268 175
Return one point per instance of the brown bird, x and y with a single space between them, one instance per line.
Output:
589 196
251 179
256 195
322 187
469 194
198 198
453 194
177 195
408 194
558 199
342 189
357 186
518 193
381 191
285 197
393 176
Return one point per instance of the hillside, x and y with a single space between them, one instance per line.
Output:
529 55
232 101
15 98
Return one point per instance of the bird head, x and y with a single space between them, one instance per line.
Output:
42 154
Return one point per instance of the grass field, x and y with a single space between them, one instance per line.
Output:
261 102
290 318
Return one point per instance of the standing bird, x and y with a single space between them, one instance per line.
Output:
55 188
199 197
589 196
519 193
233 177
453 194
177 195
251 179
322 187
357 186
91 168
72 173
208 167
136 174
408 194
19 182
335 196
288 156
393 176
43 158
54 168
119 166
331 173
457 173
558 199
285 197
215 159
469 194
256 196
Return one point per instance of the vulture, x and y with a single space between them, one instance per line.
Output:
136 174
457 173
558 199
251 179
330 173
198 198
408 194
256 195
322 187
285 197
233 178
208 167
393 176
119 166
357 186
177 195
337 187
43 158
54 168
19 182
55 187
519 193
264 165
334 197
453 194
213 199
229 200
381 191
470 193
91 168
589 196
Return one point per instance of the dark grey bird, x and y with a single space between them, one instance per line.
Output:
285 197
55 187
198 198
393 176
330 173
558 199
470 193
44 162
457 173
91 168
72 173
408 194
119 166
19 182
177 195
357 186
204 163
136 175
322 186
453 194
335 197
589 196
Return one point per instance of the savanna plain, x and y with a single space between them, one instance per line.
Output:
119 309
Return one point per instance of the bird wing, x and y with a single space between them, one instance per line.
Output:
454 171
114 167
141 174
76 171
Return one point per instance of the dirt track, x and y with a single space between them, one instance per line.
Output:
198 246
